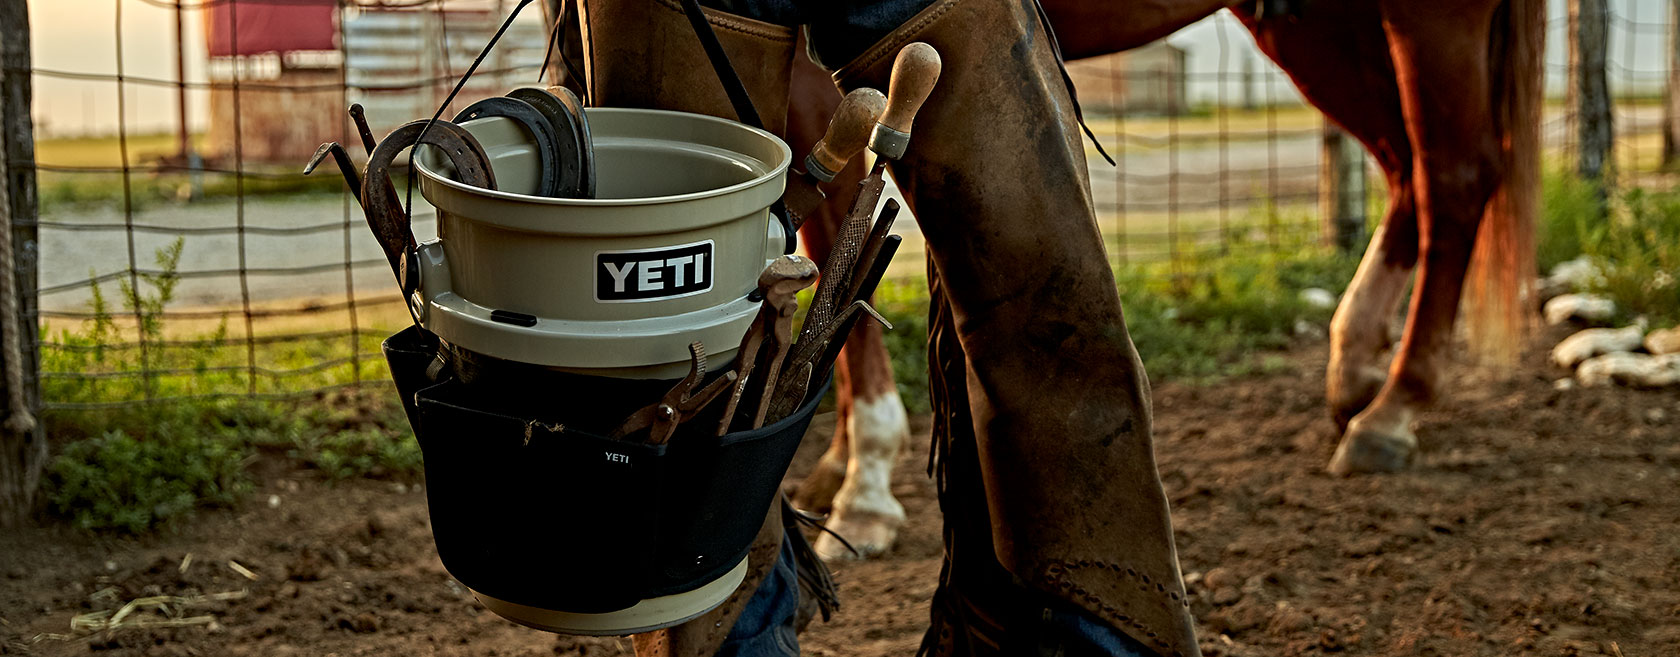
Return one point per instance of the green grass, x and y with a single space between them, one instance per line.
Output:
1633 238
129 465
120 482
1209 316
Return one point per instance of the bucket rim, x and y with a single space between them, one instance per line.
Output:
777 171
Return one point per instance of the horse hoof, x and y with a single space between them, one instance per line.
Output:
1365 451
869 533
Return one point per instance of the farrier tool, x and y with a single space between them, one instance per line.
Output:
914 72
767 337
359 116
681 404
378 197
384 210
846 136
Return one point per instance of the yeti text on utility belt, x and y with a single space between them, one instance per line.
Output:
648 274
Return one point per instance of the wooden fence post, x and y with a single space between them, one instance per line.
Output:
1671 104
1592 110
1341 188
23 444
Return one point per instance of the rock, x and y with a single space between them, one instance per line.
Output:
1595 342
1219 578
1288 620
1637 370
1318 297
274 501
1663 341
1585 307
1564 383
1545 289
1574 274
1227 596
366 622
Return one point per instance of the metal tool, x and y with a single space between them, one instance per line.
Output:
359 117
681 404
345 166
914 72
865 290
870 254
847 134
801 373
779 284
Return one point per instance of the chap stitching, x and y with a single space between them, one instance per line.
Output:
1055 577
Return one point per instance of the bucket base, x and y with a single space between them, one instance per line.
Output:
645 616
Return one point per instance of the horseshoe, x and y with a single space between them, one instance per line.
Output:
384 210
535 124
576 155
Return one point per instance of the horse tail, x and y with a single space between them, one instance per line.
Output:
1499 290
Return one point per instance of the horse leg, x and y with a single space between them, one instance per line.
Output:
1337 54
865 512
1440 55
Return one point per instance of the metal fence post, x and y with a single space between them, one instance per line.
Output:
23 443
1341 188
1592 43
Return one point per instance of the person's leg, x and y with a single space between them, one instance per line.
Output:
766 625
1047 472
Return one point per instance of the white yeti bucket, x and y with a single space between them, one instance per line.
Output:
616 285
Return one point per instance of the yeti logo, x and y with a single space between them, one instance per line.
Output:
650 275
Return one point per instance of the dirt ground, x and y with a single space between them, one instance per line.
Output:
1539 521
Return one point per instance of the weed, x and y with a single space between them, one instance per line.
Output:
118 482
1633 241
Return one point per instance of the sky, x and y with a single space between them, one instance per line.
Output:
81 36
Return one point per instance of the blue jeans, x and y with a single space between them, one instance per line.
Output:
766 625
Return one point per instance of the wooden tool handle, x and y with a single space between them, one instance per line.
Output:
914 73
848 133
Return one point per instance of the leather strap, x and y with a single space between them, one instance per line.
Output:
744 110
738 97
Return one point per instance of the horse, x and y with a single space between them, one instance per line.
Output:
1445 97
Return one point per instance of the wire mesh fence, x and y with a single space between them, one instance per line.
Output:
183 255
